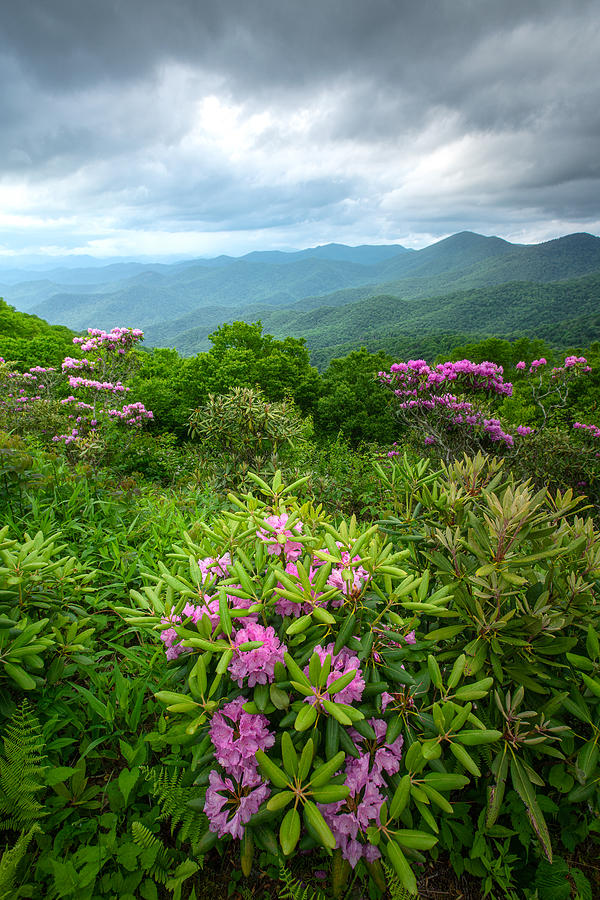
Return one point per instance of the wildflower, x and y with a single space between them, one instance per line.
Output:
258 664
279 540
349 819
383 757
341 663
230 803
237 735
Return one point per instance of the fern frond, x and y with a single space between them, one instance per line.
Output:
167 787
21 770
10 860
156 858
293 889
394 885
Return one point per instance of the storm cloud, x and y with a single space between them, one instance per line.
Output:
197 128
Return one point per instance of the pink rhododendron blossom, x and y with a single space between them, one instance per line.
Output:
591 429
215 568
383 757
170 638
279 538
285 607
520 365
257 665
349 819
341 663
230 804
237 735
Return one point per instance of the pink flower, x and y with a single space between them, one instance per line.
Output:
277 536
257 665
383 757
211 567
237 735
341 663
350 818
520 365
230 804
285 607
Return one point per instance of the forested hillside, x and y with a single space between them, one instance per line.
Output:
336 297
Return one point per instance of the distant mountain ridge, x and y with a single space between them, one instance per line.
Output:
332 295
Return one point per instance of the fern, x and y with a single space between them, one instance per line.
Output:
394 885
10 860
158 858
21 769
293 889
172 796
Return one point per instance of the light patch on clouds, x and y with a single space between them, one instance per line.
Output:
138 129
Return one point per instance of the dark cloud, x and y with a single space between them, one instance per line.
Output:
384 119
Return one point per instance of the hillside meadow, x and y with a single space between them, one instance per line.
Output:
267 631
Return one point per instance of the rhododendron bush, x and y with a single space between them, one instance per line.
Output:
75 406
302 689
453 406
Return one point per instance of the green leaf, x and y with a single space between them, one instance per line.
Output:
587 760
464 759
478 736
306 717
338 714
288 751
400 798
592 683
474 691
295 671
127 780
340 683
306 758
401 866
331 793
415 840
496 792
280 800
324 772
275 775
592 645
21 678
434 671
524 789
289 831
321 829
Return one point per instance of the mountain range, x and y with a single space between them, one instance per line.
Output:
335 296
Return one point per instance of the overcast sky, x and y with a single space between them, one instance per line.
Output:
147 127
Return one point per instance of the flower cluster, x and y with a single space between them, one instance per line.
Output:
132 414
117 340
416 374
279 538
341 664
76 381
365 777
230 804
256 664
593 430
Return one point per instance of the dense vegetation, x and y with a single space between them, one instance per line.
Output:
280 637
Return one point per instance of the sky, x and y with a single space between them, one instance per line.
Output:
143 128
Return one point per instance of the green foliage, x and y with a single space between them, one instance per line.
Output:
22 772
396 889
26 340
246 427
294 890
352 403
172 796
9 863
